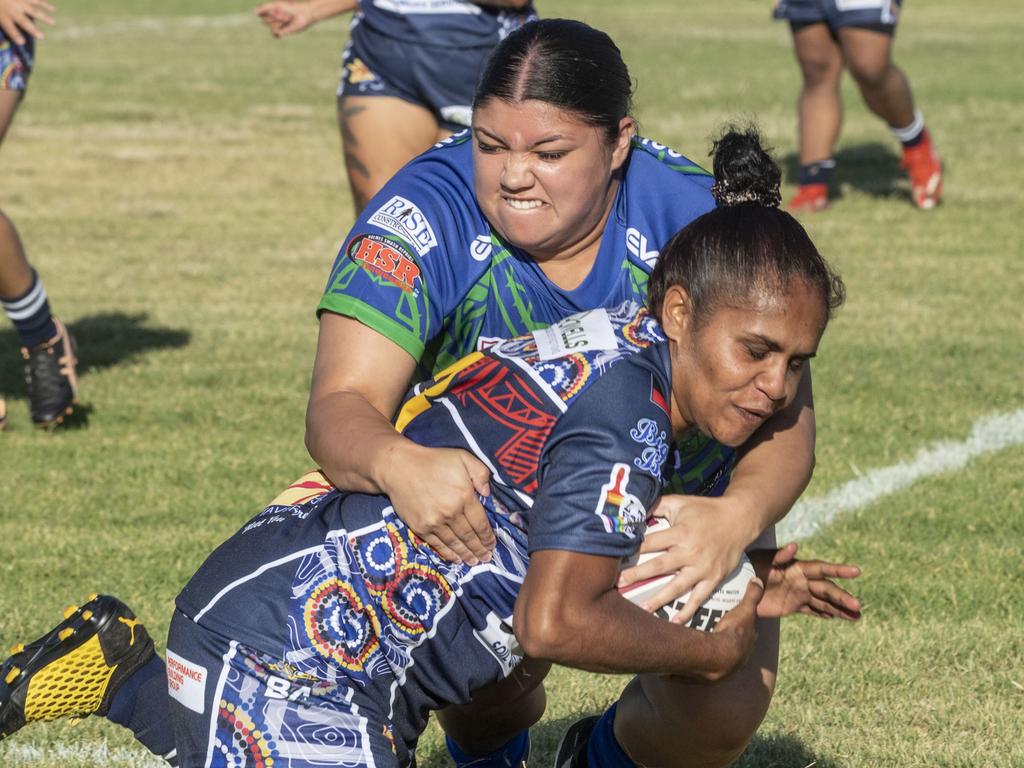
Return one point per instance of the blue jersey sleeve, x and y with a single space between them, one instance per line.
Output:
402 265
602 468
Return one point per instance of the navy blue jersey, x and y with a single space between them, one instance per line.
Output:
573 422
442 23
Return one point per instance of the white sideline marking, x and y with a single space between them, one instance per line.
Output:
988 435
89 754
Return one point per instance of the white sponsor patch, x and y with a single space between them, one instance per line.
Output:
402 217
577 333
186 682
498 638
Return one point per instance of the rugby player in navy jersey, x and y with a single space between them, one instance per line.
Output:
326 630
47 348
828 37
408 73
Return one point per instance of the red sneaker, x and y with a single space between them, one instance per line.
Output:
809 198
924 168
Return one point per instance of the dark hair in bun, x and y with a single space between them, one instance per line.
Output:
744 171
746 247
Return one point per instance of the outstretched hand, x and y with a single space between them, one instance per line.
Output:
285 17
18 18
803 586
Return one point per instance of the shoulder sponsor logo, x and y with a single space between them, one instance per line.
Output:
619 510
584 332
279 688
480 249
385 258
402 217
657 146
186 682
636 244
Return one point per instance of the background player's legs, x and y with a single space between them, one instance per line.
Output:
497 716
886 91
15 273
884 87
659 719
819 112
380 134
9 101
48 348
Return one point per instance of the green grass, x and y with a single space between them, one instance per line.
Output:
180 189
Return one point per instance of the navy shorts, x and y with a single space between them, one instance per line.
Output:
441 79
878 15
15 63
231 705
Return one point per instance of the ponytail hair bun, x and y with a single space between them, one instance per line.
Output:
744 171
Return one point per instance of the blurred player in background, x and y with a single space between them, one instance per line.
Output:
408 75
47 347
829 35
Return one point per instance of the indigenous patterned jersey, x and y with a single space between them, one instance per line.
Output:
573 422
423 267
442 23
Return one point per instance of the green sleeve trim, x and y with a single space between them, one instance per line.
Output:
373 318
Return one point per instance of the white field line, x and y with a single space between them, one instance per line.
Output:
93 753
988 435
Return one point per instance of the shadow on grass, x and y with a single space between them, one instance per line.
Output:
873 169
774 751
103 341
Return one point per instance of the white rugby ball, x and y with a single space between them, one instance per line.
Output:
726 596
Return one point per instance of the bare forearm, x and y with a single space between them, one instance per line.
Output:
630 640
351 441
327 9
776 466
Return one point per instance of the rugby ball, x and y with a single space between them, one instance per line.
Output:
726 596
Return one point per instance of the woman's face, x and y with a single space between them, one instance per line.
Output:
739 366
544 178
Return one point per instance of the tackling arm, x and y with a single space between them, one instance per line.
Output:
775 465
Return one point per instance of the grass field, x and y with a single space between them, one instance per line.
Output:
176 177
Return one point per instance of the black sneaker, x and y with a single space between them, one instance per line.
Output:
75 668
50 375
572 749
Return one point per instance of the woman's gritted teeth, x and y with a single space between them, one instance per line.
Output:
523 205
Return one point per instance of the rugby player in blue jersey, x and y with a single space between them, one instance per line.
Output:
408 73
325 630
47 347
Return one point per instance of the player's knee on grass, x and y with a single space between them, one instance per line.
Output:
661 717
498 712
